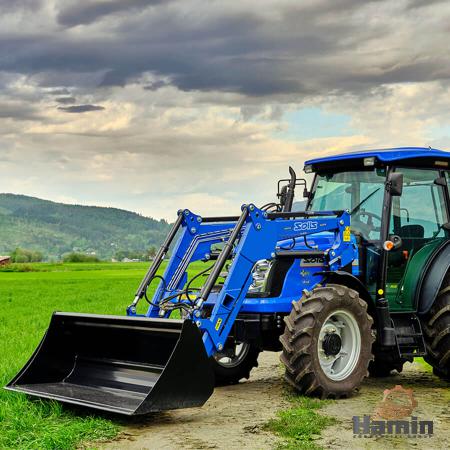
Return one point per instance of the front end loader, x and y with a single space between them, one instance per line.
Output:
357 281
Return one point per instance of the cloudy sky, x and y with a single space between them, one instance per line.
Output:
154 105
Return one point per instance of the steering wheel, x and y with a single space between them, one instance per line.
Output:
368 226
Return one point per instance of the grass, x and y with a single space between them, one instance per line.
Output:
27 300
300 425
423 364
71 267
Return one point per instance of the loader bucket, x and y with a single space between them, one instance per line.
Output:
120 364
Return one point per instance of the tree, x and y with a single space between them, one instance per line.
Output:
20 255
120 255
151 252
79 258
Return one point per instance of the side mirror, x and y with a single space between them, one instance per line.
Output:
283 195
293 176
395 184
286 193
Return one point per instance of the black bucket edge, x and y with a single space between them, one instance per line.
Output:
188 366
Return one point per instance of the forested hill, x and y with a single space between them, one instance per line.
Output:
56 228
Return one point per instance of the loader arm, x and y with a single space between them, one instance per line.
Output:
150 362
251 237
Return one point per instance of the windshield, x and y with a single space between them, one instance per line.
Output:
360 192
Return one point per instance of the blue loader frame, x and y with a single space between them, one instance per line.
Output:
255 235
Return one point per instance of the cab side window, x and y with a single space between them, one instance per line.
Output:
417 217
420 211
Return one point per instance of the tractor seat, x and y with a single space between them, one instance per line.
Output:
412 231
412 237
412 240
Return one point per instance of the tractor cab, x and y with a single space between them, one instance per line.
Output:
414 218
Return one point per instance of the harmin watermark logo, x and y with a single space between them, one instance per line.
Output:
389 418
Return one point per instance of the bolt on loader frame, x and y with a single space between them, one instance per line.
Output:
336 293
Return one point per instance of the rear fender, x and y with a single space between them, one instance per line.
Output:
431 277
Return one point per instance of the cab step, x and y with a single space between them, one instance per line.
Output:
409 336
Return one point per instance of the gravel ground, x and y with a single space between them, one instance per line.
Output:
231 419
433 403
234 416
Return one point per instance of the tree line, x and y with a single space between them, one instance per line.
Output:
21 255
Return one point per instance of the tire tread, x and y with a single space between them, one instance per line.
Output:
297 341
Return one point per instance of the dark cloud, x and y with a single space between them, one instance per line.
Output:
66 100
296 49
11 6
154 86
80 108
87 12
423 4
236 71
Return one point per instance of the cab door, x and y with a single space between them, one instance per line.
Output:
417 217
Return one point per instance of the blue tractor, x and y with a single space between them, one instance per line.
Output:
356 282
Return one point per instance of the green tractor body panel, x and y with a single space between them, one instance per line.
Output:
402 296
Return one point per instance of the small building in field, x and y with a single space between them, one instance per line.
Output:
5 260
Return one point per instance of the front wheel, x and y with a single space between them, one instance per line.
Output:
234 363
327 342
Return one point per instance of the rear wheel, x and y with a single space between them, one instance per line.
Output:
436 332
327 342
235 363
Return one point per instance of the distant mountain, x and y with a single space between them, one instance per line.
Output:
56 228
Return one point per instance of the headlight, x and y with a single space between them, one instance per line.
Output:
260 274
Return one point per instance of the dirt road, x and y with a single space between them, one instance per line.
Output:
433 398
234 415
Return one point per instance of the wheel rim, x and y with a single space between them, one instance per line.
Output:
240 352
339 345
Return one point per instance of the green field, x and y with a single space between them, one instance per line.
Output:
27 300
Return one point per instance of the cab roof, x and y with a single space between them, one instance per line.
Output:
385 155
